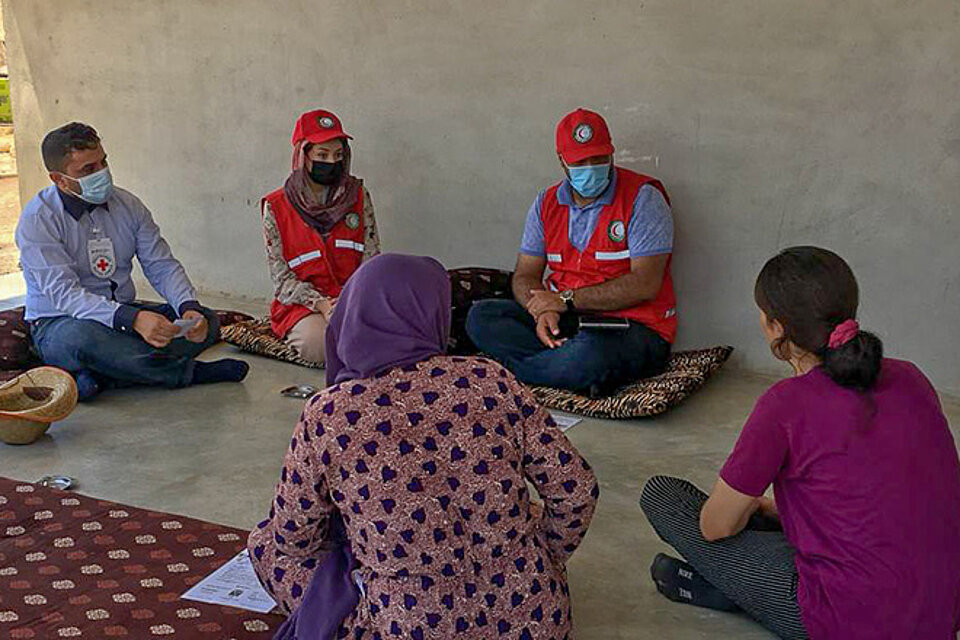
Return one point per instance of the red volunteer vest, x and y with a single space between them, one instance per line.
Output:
324 263
607 255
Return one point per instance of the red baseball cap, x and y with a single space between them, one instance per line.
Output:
583 134
318 126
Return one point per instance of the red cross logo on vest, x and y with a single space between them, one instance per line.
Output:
103 265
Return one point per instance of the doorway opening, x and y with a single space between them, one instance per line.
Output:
9 182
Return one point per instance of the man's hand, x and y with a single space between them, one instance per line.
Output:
542 301
548 329
199 333
155 329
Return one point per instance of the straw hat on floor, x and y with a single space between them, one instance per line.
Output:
32 401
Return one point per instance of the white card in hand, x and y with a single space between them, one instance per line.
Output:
186 326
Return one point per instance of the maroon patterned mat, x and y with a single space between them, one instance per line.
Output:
77 567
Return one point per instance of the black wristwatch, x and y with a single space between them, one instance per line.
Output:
567 297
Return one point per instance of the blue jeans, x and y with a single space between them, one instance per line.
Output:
594 361
116 357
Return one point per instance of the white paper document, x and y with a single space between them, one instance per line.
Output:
565 422
233 585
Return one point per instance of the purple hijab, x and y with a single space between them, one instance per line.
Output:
394 311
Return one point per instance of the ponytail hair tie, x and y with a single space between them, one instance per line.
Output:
844 333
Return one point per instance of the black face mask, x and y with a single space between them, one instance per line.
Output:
326 173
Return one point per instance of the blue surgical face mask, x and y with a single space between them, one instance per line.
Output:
96 187
590 180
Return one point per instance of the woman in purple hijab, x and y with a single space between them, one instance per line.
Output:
403 508
395 311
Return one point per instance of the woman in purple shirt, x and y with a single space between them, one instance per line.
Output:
863 540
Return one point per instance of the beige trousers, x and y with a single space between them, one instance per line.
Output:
308 338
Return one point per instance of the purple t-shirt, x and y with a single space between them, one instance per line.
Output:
868 489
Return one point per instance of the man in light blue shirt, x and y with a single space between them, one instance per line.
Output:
594 306
77 240
650 232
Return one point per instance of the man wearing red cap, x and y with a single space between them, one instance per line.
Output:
318 228
606 313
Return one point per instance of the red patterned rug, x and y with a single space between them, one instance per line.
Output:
77 567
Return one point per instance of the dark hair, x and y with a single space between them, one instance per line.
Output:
343 141
810 291
63 141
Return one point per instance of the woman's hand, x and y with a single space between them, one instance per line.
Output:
726 512
536 510
325 307
767 507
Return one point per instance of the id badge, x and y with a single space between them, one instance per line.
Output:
103 261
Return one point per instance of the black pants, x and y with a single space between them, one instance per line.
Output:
754 568
591 361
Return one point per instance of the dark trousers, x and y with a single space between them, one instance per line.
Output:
592 361
754 568
116 357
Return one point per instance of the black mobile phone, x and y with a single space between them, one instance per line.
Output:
569 325
604 323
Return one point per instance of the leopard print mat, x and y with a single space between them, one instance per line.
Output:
468 284
255 336
686 373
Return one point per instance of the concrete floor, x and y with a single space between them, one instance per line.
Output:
214 453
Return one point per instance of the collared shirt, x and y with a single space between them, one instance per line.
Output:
650 232
76 207
53 235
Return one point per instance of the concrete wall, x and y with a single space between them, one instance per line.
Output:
772 123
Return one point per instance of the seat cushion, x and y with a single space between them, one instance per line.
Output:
16 348
685 374
255 336
467 285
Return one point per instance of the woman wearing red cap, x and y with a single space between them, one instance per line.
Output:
318 228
